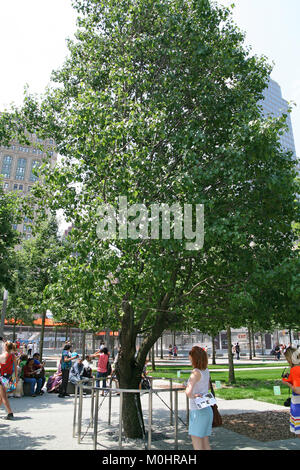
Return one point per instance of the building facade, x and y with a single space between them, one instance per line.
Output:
275 105
18 166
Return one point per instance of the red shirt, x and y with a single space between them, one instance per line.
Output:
294 377
7 368
102 363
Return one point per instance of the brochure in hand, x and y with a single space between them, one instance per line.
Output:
205 400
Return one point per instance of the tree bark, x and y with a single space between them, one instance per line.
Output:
231 377
213 351
42 335
250 340
129 368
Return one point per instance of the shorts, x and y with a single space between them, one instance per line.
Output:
200 422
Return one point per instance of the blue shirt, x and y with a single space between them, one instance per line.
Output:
65 365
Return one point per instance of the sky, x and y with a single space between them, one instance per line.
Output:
33 43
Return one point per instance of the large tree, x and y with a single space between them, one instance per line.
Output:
158 102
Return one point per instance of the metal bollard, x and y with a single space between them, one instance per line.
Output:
120 420
109 408
171 402
80 413
75 411
176 419
92 403
187 411
96 420
150 419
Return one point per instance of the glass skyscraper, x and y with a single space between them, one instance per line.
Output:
275 105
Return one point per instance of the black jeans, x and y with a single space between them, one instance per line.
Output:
64 381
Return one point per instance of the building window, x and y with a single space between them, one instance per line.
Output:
15 187
20 172
6 166
6 185
35 164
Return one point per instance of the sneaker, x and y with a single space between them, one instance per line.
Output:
10 416
34 395
61 396
67 395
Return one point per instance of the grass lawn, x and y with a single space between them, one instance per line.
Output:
256 384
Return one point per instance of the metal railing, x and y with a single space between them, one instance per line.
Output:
94 409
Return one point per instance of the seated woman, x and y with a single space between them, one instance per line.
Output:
54 381
31 378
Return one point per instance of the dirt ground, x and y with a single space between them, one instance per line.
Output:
264 426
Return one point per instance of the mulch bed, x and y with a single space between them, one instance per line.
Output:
264 426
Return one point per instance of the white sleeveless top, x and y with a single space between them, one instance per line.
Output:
202 386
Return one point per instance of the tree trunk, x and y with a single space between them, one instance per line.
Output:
83 337
129 368
161 347
153 358
213 351
253 343
231 377
42 335
250 347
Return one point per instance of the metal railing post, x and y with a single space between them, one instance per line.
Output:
109 408
75 411
171 402
96 420
92 403
80 413
187 411
176 419
150 403
120 420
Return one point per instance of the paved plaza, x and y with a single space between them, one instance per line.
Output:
46 423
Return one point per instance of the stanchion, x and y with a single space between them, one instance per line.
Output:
187 411
96 420
171 402
75 411
109 408
80 413
120 420
176 419
92 403
150 405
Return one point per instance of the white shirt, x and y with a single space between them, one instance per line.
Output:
200 387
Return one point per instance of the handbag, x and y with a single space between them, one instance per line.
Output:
9 382
217 418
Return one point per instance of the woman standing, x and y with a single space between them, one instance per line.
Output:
200 423
66 364
8 363
102 367
292 355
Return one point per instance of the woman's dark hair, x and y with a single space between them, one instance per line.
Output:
28 360
67 347
23 357
105 351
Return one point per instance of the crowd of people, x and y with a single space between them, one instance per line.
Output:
18 369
